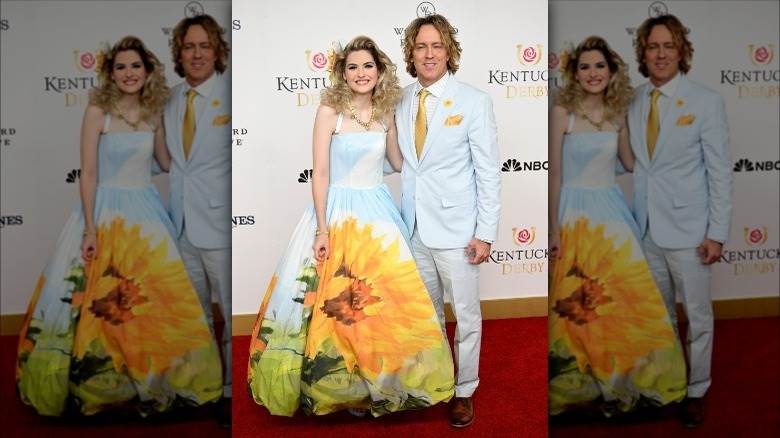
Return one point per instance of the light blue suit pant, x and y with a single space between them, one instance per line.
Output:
209 270
447 271
681 270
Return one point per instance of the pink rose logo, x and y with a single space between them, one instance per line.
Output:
529 54
524 236
319 60
756 236
761 55
87 60
552 61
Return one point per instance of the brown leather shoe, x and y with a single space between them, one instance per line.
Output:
461 411
224 412
692 411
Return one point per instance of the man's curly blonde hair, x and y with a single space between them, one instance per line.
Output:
447 32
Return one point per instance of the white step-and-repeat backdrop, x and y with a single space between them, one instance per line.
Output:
49 52
279 71
736 54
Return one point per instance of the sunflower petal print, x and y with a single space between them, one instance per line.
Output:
134 289
607 320
372 298
587 282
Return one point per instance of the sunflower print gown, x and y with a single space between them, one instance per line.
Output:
125 330
611 343
358 330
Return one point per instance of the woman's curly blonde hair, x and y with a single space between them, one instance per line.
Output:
154 93
617 95
387 91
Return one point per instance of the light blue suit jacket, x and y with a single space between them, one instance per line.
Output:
200 185
452 191
684 192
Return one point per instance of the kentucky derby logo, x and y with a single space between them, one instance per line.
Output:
89 61
656 9
530 55
320 61
425 9
761 55
756 236
524 236
193 9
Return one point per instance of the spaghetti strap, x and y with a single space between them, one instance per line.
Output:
106 123
338 123
571 123
382 124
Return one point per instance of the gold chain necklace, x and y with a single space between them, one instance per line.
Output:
598 125
133 125
354 116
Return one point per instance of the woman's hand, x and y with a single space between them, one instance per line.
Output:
89 246
321 248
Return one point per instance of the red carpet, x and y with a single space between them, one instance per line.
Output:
743 401
511 400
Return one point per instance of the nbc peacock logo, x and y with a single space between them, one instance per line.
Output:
72 176
743 165
511 165
305 176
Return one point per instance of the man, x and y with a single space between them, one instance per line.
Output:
197 122
450 188
682 187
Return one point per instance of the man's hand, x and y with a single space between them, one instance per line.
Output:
709 251
477 251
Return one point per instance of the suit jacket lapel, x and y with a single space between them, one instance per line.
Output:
673 112
174 122
439 115
404 123
639 125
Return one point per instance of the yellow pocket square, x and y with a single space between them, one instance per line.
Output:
453 120
224 119
686 120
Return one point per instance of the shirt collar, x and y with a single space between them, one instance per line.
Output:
204 89
668 89
436 88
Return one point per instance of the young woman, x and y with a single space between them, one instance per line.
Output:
114 320
346 321
611 342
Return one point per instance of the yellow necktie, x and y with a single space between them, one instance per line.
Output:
653 126
188 128
421 123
